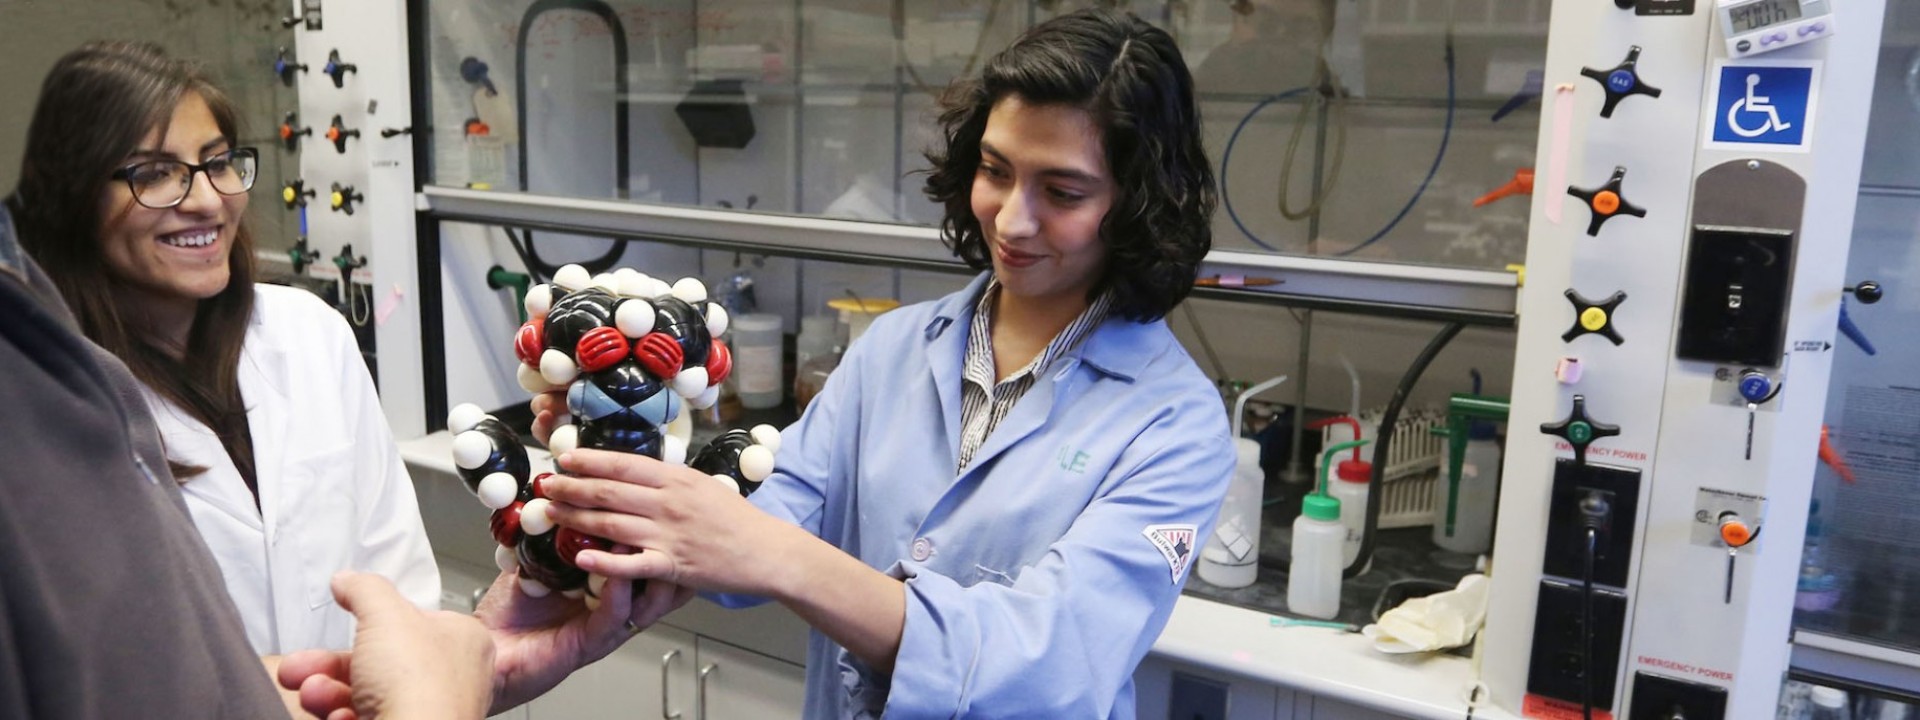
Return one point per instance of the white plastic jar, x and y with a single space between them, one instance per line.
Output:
757 366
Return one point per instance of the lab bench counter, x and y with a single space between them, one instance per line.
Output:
1232 640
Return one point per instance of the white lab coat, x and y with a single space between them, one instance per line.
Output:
334 494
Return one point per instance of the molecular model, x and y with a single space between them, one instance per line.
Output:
630 352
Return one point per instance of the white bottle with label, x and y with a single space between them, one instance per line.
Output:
756 359
1350 488
1313 578
1463 506
1231 558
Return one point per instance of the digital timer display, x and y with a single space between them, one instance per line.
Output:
1766 13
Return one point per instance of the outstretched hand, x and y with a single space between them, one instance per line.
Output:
538 642
405 663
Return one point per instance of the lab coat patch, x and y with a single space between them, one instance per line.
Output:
1175 543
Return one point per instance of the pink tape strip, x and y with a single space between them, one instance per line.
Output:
1557 153
388 304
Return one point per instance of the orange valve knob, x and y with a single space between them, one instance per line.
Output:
338 133
1606 201
290 131
1734 531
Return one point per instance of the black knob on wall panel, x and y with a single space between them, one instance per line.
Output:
1621 80
294 194
338 70
286 67
1594 317
1606 202
395 132
1868 292
338 133
344 197
291 131
1579 429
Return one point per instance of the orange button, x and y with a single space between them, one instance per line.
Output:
1606 202
333 133
1735 533
286 132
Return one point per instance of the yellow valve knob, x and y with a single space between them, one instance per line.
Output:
339 199
1593 318
288 195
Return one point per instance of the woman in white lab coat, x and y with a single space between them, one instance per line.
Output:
269 416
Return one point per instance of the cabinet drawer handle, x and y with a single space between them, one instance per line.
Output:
666 686
702 688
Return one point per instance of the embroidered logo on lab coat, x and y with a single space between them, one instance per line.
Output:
1176 545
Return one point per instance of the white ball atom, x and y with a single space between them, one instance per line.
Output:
717 319
768 437
557 368
530 379
471 449
673 450
706 398
533 588
755 462
497 490
534 519
539 300
505 558
730 484
572 277
690 290
464 417
563 440
689 383
634 318
608 282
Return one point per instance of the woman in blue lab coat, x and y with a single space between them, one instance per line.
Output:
991 507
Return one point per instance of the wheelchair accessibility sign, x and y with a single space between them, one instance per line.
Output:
1764 105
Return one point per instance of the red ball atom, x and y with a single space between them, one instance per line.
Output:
506 524
530 341
601 348
570 542
659 355
719 363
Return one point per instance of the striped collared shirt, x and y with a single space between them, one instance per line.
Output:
983 403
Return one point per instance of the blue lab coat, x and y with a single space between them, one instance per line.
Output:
1037 579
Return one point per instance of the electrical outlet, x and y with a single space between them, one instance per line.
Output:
1566 533
1734 304
1556 669
1663 698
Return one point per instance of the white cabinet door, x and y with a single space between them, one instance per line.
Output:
737 684
1156 690
1318 708
652 676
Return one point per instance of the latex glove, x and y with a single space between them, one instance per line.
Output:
1435 622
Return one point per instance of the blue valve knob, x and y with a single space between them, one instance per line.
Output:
1756 387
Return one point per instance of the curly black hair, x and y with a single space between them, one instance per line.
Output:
1130 78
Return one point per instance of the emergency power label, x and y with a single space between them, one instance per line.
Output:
1763 105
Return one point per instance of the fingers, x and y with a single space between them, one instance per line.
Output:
595 493
624 467
614 526
343 714
295 668
547 408
368 596
660 598
649 565
323 696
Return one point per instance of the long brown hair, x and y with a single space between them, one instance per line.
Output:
96 107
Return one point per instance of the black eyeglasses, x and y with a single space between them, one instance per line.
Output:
161 184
